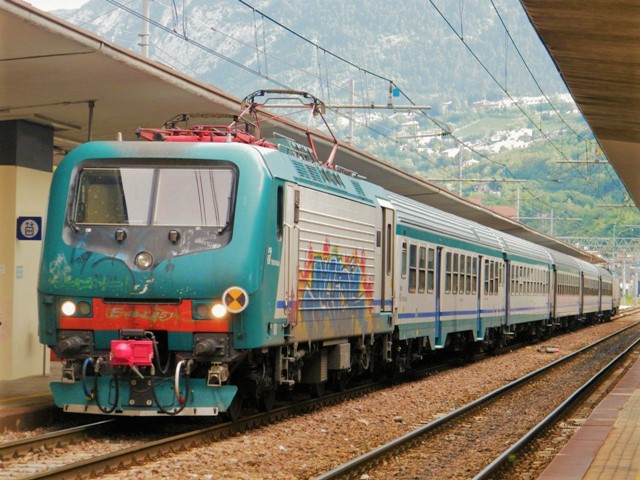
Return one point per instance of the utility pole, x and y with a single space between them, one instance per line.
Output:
144 36
352 95
460 172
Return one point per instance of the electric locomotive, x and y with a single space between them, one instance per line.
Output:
207 268
174 273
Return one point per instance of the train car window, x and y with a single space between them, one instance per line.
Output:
501 279
430 269
456 266
422 269
403 262
494 285
463 274
521 279
447 287
280 212
492 277
532 275
474 275
388 248
412 268
204 200
540 282
468 281
107 196
486 277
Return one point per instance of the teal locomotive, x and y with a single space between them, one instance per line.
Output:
208 269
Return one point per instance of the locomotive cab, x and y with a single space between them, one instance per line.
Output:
148 265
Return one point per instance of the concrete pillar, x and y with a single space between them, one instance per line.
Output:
26 161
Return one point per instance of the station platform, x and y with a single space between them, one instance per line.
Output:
607 445
27 402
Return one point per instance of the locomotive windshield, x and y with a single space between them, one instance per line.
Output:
200 197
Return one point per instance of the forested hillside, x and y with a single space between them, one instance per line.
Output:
479 65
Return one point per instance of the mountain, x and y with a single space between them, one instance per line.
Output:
478 64
408 42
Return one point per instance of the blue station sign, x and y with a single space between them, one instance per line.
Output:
29 228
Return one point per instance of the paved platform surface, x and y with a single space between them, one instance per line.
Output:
607 446
27 401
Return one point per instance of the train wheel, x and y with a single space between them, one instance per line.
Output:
266 397
339 380
234 412
317 389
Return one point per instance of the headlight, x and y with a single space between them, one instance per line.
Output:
144 260
68 308
84 309
218 310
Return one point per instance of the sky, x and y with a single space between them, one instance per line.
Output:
48 5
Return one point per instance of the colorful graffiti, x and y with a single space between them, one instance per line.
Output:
335 285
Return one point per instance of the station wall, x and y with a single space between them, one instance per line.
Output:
26 153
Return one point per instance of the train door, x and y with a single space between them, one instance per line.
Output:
440 274
388 245
600 294
507 302
290 249
553 290
483 283
550 300
477 269
581 282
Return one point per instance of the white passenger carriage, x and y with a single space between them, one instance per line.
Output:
529 268
590 289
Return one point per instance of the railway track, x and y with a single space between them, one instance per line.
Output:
474 427
26 459
19 448
31 458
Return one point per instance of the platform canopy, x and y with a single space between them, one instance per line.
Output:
54 73
596 47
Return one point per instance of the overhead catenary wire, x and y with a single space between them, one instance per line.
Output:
381 77
195 43
366 73
506 93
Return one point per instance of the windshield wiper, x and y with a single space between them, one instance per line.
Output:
223 229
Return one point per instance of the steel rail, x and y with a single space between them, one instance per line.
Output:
140 453
150 450
20 447
549 419
359 464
